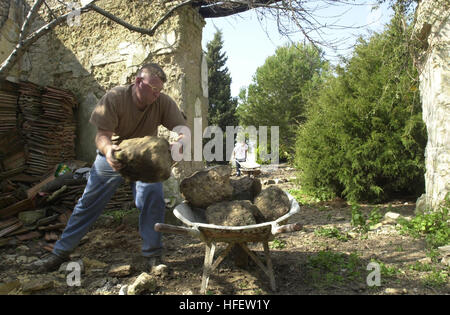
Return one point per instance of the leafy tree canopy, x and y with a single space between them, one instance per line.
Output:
280 90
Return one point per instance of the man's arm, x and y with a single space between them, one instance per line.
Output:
107 148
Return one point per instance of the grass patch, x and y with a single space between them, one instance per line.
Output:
330 269
303 197
434 226
389 271
362 222
277 244
421 267
331 233
436 278
388 274
118 215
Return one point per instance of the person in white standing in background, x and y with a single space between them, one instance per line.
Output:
240 155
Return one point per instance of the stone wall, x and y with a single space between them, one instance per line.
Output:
11 15
433 31
97 54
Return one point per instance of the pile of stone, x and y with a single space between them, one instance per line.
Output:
233 202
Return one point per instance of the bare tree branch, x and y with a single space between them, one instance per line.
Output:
169 13
150 31
29 19
25 41
215 9
292 16
296 16
50 10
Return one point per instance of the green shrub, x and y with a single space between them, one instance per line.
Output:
364 138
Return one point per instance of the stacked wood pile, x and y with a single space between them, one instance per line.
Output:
8 108
12 149
12 154
37 133
48 125
37 130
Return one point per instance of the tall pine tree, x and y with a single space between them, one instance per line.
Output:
222 107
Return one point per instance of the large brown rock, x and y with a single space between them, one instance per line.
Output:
146 159
232 213
245 188
272 203
208 186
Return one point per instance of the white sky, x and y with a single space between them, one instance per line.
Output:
247 45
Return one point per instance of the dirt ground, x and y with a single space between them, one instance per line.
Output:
310 261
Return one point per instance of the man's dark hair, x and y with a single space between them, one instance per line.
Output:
153 69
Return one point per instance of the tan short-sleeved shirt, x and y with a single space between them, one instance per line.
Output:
116 112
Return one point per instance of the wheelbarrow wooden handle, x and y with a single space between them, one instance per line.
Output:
297 226
168 228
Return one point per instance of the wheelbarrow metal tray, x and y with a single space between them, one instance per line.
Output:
195 219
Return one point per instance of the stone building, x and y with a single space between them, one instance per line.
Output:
90 55
96 54
433 30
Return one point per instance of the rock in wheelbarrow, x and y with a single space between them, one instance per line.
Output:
232 213
245 188
146 159
208 186
272 203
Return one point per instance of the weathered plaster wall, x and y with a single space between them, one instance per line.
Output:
11 15
433 29
98 54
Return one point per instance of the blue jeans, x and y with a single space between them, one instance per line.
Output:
102 183
238 167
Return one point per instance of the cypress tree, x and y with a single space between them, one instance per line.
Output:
222 107
364 138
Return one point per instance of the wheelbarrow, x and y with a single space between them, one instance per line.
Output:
211 234
250 169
